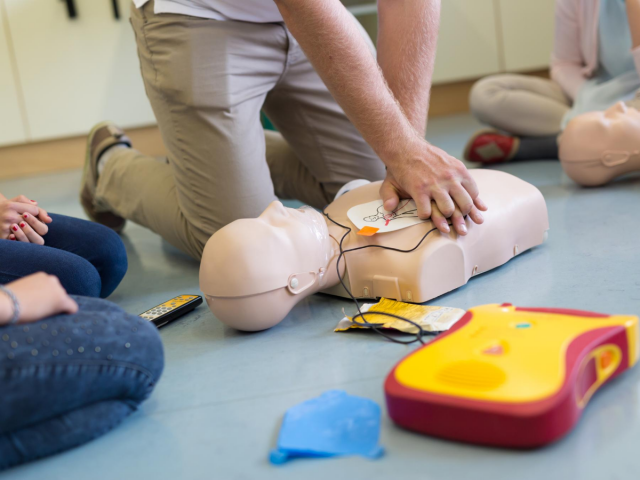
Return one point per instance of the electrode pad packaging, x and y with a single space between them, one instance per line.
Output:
510 376
430 318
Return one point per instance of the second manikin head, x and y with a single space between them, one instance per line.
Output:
597 147
253 271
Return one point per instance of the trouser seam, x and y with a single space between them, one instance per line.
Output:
89 363
189 237
287 62
320 148
146 386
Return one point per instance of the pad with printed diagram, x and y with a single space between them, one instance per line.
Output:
374 216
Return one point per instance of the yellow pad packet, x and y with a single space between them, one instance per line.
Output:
429 317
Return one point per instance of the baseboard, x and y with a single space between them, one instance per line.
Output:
450 98
68 153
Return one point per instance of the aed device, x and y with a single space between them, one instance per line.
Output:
510 376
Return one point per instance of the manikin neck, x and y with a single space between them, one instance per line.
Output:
331 251
331 278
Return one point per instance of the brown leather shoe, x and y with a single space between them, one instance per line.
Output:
102 136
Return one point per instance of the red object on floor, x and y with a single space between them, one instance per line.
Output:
491 147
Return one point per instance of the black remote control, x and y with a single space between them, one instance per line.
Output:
168 311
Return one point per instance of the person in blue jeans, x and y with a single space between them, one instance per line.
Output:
88 258
71 368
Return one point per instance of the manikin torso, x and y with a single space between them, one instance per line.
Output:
254 271
597 147
516 221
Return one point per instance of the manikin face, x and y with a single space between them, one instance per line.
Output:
252 256
599 146
279 216
590 136
303 228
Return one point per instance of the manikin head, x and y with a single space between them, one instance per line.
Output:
254 271
597 147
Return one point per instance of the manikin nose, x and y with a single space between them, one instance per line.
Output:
619 107
276 207
276 210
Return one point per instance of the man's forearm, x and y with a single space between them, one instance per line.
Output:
333 43
407 41
633 14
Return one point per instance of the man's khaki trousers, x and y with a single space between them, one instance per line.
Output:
207 82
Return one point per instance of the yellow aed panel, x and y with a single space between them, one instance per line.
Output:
511 355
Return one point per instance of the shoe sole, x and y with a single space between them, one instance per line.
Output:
87 171
467 148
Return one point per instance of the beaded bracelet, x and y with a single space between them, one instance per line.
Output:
16 304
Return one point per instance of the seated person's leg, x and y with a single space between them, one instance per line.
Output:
325 150
519 104
97 244
77 275
61 432
210 124
70 378
528 109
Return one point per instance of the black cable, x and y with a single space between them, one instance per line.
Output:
376 326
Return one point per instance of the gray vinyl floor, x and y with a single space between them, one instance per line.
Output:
216 412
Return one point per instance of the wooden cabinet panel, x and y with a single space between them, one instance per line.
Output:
76 72
527 33
11 121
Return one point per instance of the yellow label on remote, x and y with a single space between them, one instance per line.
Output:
167 306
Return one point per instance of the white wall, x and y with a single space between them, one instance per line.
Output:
74 73
527 33
11 122
467 42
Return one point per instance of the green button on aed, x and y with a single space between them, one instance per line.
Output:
523 325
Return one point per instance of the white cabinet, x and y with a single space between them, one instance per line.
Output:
467 42
11 122
482 37
527 33
76 72
73 73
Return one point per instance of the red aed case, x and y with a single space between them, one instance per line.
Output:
509 376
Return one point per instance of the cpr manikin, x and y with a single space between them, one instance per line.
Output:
254 271
597 147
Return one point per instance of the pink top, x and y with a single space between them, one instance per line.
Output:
575 50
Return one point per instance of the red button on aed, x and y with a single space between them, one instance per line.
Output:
495 350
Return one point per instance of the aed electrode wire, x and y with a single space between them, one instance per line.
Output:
376 326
